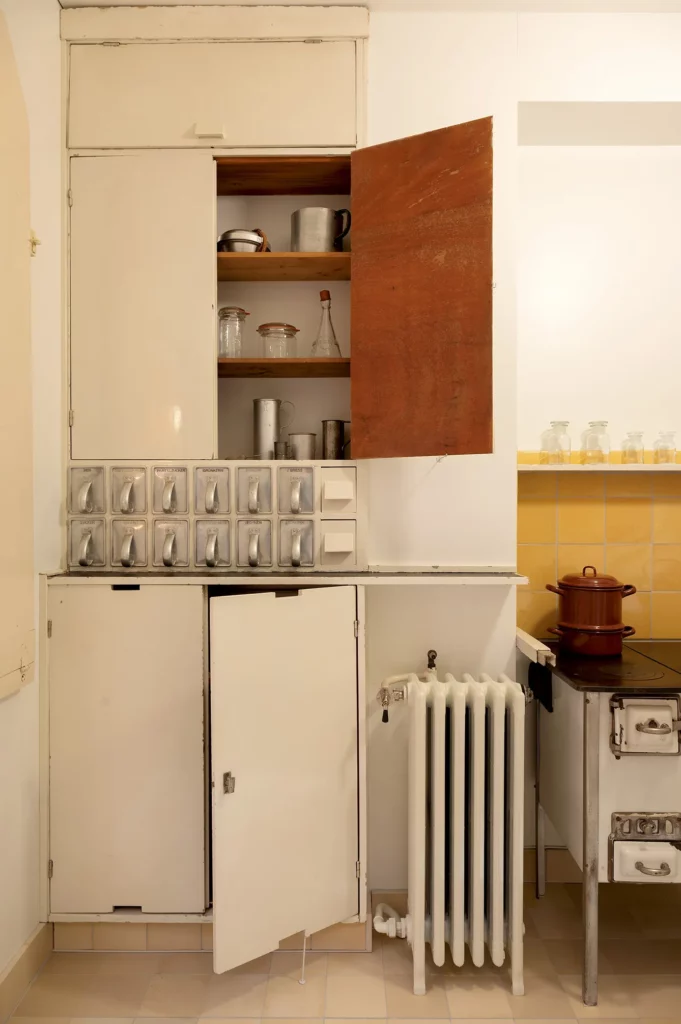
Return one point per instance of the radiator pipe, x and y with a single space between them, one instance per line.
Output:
388 922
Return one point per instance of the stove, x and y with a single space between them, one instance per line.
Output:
643 667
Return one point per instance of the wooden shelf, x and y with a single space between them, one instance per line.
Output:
283 175
310 367
284 266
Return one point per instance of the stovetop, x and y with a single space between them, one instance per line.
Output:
645 666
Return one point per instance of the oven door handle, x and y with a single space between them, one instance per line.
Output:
660 872
653 728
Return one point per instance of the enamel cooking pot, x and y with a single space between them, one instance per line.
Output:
590 612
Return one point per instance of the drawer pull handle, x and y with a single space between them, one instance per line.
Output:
253 501
85 549
212 549
169 499
295 548
128 550
127 496
653 728
663 869
169 549
295 495
85 502
253 548
212 499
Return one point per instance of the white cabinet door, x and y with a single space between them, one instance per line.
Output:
142 296
17 580
284 735
126 679
212 94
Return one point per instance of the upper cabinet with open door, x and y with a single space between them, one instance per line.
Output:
284 740
414 325
422 294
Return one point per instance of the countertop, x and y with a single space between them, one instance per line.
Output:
644 667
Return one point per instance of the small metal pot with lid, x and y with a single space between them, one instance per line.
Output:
590 612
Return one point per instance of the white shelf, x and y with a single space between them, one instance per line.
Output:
483 578
609 468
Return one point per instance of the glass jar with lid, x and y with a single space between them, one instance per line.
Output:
555 444
596 443
279 340
632 448
231 319
664 447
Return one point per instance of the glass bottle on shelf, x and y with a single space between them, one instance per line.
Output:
632 448
231 319
664 448
279 340
595 443
555 444
325 344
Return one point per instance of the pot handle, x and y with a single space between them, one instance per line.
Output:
628 631
555 590
628 589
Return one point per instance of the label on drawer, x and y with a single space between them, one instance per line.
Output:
339 489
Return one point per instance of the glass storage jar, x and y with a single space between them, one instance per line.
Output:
279 340
664 447
632 448
595 443
231 319
555 444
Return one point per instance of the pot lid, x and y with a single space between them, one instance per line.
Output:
590 579
278 327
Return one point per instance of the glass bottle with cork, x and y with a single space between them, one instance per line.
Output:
326 345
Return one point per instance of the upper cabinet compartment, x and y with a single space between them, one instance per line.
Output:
240 94
422 295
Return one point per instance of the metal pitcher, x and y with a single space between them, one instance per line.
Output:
267 425
318 229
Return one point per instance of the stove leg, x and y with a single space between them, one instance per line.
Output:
590 865
539 814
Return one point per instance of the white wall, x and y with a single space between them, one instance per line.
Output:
34 28
427 71
599 305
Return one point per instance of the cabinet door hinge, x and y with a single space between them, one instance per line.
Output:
358 869
50 868
69 196
356 628
70 417
49 628
111 42
313 41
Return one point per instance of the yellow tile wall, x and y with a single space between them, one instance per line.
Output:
626 524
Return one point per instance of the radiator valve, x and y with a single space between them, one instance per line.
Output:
387 696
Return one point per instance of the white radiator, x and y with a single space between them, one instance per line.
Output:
466 780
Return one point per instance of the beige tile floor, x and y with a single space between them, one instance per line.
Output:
640 977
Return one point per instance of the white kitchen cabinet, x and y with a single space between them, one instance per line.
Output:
142 295
284 737
17 580
126 734
242 94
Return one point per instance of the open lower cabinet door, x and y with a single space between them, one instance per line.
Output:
284 767
422 294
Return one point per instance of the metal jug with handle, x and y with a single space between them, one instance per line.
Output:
316 229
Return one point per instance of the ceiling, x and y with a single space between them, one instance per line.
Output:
570 6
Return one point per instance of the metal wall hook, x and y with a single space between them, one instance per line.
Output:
432 656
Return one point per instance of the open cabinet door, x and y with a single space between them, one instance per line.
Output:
17 581
422 294
284 766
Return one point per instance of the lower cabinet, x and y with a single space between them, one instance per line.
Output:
127 791
127 702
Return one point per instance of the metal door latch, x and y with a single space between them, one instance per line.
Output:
228 782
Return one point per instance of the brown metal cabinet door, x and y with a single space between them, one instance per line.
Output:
422 294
